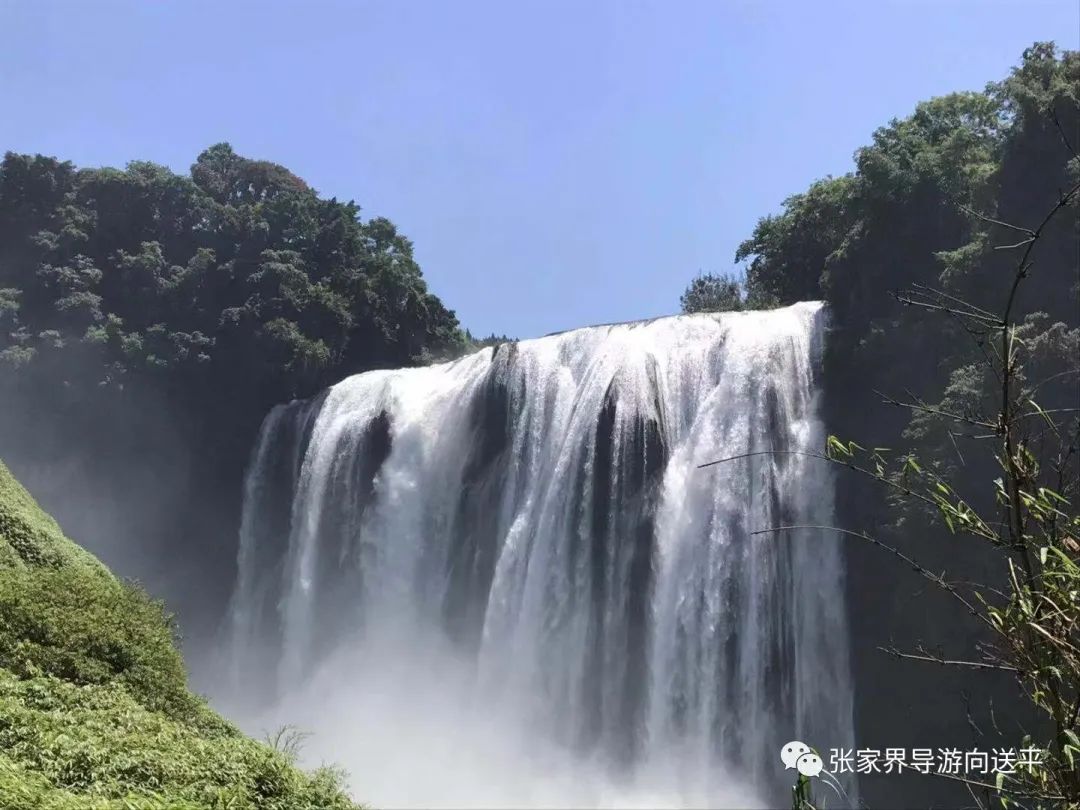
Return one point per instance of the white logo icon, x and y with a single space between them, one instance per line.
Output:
801 757
809 764
791 752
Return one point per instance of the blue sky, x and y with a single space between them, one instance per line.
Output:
556 164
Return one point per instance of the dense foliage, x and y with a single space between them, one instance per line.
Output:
712 293
929 218
909 212
94 710
149 320
239 269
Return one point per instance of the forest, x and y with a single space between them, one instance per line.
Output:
155 315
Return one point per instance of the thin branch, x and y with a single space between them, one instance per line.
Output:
1061 131
903 299
899 487
920 406
993 221
956 447
1048 410
763 453
1023 265
976 799
947 662
1015 245
942 294
1053 377
938 580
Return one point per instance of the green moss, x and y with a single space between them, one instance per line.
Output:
94 707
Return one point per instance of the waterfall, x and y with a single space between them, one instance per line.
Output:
519 552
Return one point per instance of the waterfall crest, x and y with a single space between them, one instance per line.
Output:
527 528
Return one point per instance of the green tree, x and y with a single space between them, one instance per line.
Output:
712 293
202 298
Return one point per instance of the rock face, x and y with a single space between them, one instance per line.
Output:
899 703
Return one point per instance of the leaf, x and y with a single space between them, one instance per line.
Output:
834 445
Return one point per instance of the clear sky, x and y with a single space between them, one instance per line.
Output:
555 163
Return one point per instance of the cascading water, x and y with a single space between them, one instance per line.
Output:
506 580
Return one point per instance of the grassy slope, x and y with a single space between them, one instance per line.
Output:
94 707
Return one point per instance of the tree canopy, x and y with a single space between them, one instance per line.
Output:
150 319
712 293
239 268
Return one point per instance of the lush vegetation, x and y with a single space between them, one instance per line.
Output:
240 268
149 320
955 304
710 292
94 710
917 210
1031 625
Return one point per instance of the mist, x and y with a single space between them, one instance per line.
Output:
408 723
127 475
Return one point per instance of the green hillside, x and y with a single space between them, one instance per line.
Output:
94 707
